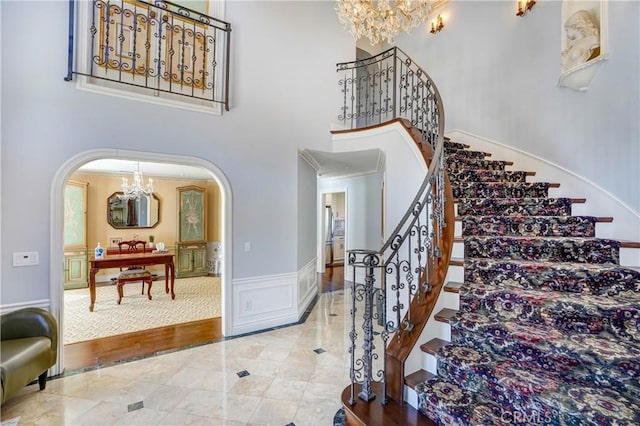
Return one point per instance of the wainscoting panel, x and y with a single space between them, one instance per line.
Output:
307 286
264 302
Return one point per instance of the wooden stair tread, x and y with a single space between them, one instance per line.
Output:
420 376
630 244
445 315
456 262
452 287
432 346
375 414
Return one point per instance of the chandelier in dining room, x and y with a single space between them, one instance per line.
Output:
382 20
137 188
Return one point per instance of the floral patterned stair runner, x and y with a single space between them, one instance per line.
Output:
548 330
530 226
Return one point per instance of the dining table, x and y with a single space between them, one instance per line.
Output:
128 260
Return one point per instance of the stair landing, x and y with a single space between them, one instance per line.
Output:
376 414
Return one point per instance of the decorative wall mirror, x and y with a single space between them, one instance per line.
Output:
141 212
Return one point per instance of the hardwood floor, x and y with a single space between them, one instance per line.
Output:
101 352
332 279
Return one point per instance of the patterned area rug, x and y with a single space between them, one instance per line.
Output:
197 298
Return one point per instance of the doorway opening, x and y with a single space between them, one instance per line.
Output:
67 171
333 226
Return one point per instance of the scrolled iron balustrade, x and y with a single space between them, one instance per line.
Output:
158 45
376 90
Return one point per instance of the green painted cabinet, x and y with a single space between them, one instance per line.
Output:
191 247
75 235
75 269
191 259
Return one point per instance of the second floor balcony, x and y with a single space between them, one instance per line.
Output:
158 50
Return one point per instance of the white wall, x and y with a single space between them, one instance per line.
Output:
282 71
497 74
363 208
307 213
405 167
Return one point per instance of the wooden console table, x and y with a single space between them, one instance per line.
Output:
125 260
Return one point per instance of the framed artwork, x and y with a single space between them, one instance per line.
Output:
114 241
584 42
192 204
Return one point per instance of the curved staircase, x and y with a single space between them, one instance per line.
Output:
548 326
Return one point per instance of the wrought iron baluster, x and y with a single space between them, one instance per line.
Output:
135 39
352 333
120 41
392 85
127 40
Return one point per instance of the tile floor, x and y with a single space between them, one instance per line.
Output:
288 376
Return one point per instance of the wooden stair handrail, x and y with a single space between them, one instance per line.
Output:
398 350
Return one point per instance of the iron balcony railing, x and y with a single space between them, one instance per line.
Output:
376 90
159 47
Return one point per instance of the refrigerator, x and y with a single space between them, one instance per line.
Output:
328 240
334 238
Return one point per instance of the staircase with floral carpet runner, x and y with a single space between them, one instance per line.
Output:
548 329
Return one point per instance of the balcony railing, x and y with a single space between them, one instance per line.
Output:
158 48
403 278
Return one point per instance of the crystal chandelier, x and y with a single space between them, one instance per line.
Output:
137 187
381 20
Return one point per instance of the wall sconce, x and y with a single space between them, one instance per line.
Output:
524 6
437 25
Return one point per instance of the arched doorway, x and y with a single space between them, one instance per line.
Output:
57 221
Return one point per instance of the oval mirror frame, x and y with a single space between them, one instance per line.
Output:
138 213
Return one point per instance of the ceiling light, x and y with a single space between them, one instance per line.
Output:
137 187
382 20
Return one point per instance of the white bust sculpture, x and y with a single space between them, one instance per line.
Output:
583 40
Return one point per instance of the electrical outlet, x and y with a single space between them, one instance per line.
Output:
26 258
247 246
